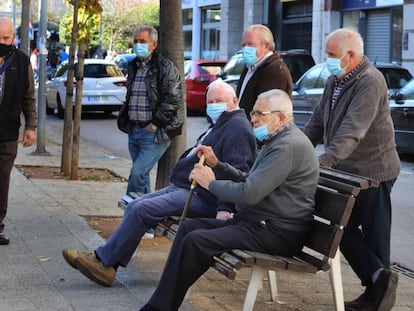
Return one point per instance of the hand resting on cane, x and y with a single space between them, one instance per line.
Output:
204 177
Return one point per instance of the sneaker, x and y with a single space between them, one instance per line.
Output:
71 254
94 269
385 289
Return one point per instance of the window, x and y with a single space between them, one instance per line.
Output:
210 34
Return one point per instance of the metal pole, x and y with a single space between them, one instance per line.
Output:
41 95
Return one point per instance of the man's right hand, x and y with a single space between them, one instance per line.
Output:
211 158
224 215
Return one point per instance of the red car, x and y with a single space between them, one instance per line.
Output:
198 75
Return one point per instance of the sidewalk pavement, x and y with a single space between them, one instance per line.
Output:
44 217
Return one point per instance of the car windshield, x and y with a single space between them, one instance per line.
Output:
396 78
211 69
101 71
407 91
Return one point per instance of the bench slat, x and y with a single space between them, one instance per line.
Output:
356 180
235 262
338 186
247 259
223 268
324 238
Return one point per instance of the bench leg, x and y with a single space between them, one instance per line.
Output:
274 295
254 284
335 277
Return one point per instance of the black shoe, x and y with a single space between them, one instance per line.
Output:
384 290
364 302
4 240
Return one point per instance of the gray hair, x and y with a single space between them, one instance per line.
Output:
348 39
219 83
277 100
153 33
266 35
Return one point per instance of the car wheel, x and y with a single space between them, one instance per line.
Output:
48 109
61 111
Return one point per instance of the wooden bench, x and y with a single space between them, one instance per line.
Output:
335 198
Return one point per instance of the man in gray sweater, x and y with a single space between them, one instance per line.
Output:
354 123
274 202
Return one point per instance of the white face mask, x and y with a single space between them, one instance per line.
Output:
215 110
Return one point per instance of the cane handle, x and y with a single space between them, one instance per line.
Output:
201 161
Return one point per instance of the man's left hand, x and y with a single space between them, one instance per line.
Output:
29 138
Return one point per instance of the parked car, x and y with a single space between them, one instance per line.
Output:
198 75
402 113
122 60
103 87
309 88
297 60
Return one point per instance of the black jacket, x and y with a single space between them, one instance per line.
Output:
165 94
18 96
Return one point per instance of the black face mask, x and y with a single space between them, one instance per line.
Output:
5 49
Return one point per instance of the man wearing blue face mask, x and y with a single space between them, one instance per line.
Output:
231 138
265 68
354 123
274 202
154 108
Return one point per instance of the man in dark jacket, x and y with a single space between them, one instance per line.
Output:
16 96
155 107
265 69
231 138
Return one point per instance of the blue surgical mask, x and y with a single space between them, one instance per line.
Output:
261 132
141 50
334 66
249 55
215 110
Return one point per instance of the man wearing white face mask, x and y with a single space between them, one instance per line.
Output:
265 69
154 108
231 137
353 121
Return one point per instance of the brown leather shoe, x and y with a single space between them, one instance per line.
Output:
94 269
71 254
385 289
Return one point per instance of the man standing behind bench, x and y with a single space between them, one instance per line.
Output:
353 120
274 202
231 137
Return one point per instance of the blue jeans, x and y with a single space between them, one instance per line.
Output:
144 153
144 213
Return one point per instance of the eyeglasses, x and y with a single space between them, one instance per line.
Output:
262 113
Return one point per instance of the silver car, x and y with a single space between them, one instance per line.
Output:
103 87
402 113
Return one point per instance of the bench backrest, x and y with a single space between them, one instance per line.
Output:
335 198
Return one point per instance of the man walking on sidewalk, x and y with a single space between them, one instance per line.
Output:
231 137
16 95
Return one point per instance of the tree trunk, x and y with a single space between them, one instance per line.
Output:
171 46
78 111
24 29
65 166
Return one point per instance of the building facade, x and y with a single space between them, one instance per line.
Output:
213 28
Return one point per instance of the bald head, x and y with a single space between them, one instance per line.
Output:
6 31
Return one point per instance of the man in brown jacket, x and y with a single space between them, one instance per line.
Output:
265 69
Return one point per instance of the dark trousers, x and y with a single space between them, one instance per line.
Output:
8 151
198 240
367 238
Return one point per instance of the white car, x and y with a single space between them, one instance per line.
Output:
104 87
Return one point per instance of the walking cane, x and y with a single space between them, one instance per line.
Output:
193 185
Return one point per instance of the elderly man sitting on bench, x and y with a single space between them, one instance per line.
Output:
231 137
